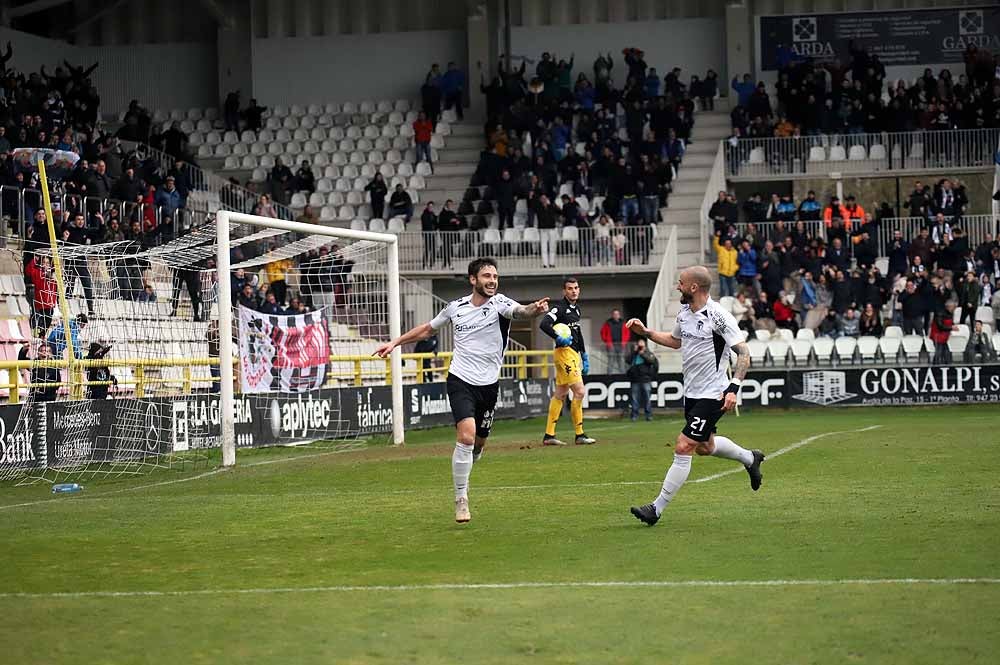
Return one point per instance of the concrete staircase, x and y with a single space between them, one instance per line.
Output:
684 209
456 163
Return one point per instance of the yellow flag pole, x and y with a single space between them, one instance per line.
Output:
57 267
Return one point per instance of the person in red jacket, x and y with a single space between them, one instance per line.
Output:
940 332
784 315
46 293
422 130
615 336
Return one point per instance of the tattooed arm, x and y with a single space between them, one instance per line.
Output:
739 373
530 311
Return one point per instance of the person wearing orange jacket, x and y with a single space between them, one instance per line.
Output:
855 214
834 210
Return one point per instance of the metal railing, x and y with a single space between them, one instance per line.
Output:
627 248
18 206
716 183
855 154
975 228
663 292
770 231
147 377
229 196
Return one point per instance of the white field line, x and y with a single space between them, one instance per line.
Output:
787 449
408 588
482 488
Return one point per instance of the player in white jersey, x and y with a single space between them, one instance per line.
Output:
481 323
704 333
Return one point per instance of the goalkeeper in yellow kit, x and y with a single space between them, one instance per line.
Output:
562 324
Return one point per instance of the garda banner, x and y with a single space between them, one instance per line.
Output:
904 37
286 353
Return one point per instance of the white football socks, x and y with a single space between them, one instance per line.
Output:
461 467
726 447
676 475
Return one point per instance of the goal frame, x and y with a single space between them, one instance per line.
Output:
223 219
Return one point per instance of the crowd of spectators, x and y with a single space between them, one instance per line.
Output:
812 99
815 266
622 144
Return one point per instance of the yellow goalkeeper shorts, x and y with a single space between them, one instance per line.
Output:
569 366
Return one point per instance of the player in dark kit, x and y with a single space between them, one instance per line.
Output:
571 363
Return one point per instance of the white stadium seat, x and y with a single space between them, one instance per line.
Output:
823 349
846 346
801 351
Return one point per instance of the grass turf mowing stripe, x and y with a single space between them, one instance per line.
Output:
637 584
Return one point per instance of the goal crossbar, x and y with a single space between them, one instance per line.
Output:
224 219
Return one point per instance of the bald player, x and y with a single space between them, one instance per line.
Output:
705 333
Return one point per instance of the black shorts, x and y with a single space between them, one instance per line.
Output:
701 416
469 401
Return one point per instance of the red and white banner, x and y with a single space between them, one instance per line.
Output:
286 353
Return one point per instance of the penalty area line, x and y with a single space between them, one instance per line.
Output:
407 588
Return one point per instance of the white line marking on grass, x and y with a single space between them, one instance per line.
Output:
635 584
787 449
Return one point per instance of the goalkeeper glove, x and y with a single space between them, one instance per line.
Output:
564 341
586 365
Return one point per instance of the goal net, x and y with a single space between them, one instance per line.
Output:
133 375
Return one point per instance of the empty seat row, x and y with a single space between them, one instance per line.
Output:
782 351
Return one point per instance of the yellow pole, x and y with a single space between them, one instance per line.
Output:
60 284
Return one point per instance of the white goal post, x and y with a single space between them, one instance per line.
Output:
224 219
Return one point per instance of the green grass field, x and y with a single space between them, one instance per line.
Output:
342 558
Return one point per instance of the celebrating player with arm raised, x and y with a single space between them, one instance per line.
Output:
704 333
481 323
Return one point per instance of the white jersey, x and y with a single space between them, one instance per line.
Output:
480 337
706 337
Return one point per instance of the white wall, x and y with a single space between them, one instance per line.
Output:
350 67
31 52
163 76
695 45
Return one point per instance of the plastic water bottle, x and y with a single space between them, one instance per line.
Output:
63 488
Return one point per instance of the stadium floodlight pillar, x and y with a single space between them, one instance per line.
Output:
224 219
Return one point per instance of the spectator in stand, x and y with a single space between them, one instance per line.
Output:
264 207
248 297
44 380
744 90
377 189
545 219
849 323
450 226
271 304
871 322
784 315
277 275
99 378
969 292
56 339
308 216
148 294
253 115
231 111
423 128
728 265
747 275
168 198
723 213
979 344
428 226
941 328
615 337
506 204
763 313
643 368
304 180
401 204
810 209
602 239
42 278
